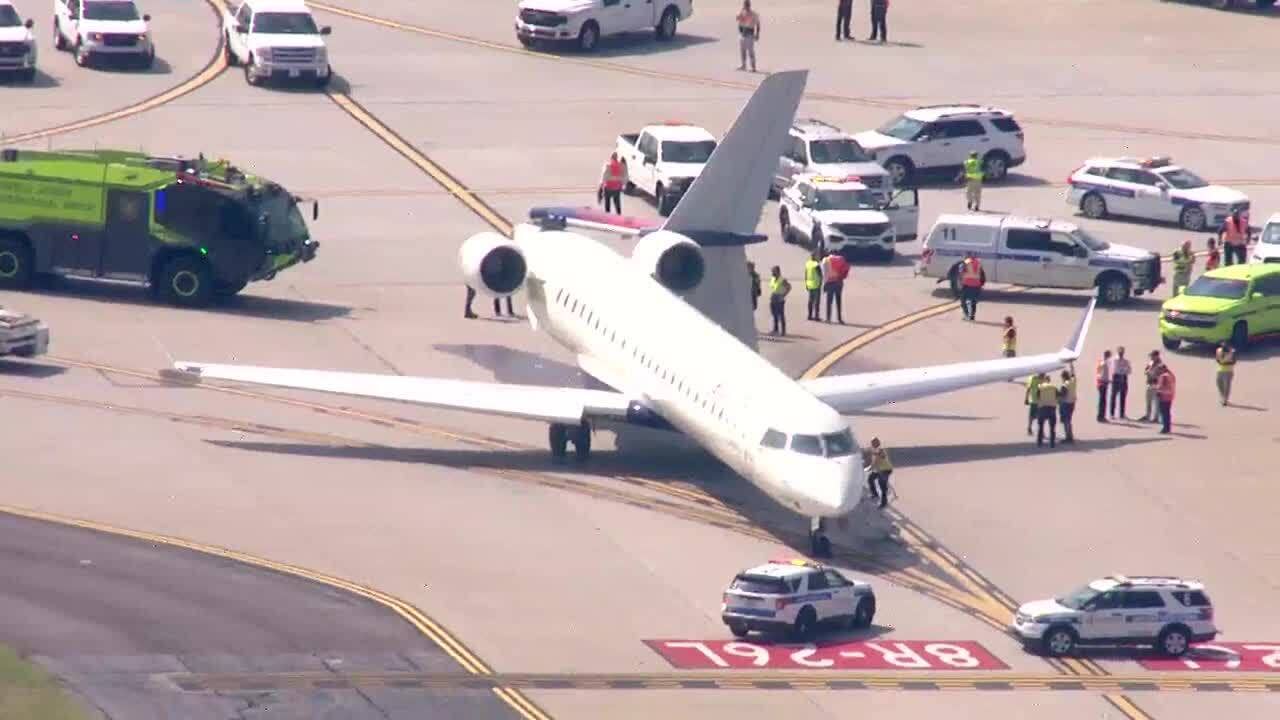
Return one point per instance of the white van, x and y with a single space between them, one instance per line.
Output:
1038 252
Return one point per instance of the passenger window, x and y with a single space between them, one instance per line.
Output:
817 581
1269 286
774 439
835 579
1138 599
1033 240
1006 124
1063 245
1128 175
960 129
1192 598
1096 172
1145 178
1105 601
806 444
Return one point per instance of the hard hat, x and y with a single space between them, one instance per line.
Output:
973 153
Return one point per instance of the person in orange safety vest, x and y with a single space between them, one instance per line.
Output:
972 277
1235 237
1166 384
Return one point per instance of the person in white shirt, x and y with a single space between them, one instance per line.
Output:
1120 371
1102 375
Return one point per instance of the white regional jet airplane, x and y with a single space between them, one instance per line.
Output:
670 366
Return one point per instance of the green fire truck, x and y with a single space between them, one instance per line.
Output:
193 230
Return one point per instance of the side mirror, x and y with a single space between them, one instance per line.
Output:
326 30
30 23
1081 252
146 18
924 138
1164 187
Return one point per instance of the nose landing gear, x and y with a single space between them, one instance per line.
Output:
819 543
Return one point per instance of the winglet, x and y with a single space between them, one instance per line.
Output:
1075 346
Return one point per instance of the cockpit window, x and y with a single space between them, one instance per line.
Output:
806 444
774 439
839 444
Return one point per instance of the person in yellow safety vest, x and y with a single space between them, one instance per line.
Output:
1183 261
1226 357
1067 405
1009 341
973 182
881 468
778 289
1032 399
1234 236
613 178
813 283
1047 401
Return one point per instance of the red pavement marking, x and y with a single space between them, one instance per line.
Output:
1221 657
864 655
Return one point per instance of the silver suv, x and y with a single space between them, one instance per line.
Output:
824 149
1167 612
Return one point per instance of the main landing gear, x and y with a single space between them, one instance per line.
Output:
819 543
561 435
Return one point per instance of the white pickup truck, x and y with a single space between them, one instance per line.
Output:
22 335
584 22
662 160
275 39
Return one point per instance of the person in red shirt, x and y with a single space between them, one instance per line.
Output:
1215 256
834 271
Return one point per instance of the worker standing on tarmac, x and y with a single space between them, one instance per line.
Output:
1009 340
1032 400
834 271
1234 236
880 470
749 33
972 278
1214 258
1104 381
813 283
1047 402
1226 357
1183 261
973 182
612 179
1120 370
755 285
1152 373
879 21
778 289
1067 405
1166 385
844 13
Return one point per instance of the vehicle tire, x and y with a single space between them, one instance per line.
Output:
1093 206
1240 336
227 53
226 290
249 77
666 29
995 166
59 42
1193 218
527 42
806 623
581 437
558 437
1170 343
323 82
149 61
738 629
15 264
1058 641
665 206
82 58
901 170
784 225
589 36
185 281
887 254
1113 289
817 241
629 188
27 76
1174 641
864 613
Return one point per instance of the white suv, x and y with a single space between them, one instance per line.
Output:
1167 612
844 215
795 596
939 138
824 149
1268 248
1151 188
103 28
17 44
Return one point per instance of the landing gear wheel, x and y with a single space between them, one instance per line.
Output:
558 436
819 543
582 441
738 629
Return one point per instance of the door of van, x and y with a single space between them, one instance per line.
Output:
1026 258
904 212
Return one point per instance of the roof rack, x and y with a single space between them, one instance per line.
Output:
948 105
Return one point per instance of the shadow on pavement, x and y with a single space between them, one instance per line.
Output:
924 455
19 368
245 305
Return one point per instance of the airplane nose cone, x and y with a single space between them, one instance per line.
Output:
842 490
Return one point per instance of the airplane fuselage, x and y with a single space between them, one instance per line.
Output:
631 332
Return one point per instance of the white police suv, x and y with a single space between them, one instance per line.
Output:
844 215
795 597
1167 612
1153 189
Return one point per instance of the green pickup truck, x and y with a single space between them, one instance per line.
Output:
192 230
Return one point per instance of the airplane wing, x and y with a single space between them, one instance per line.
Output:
589 218
531 402
848 394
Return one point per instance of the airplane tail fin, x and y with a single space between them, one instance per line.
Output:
725 201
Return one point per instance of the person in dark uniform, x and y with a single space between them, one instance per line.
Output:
497 307
879 13
755 285
471 296
844 13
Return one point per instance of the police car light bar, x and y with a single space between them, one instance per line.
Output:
798 562
1158 161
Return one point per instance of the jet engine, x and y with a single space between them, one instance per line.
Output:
673 259
492 264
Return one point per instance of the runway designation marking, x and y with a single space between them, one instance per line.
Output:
1221 657
861 655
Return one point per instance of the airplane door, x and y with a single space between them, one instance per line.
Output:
126 243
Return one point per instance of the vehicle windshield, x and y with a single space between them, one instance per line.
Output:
1271 234
1217 288
688 152
839 444
843 150
759 584
902 127
845 200
285 226
9 16
111 11
282 23
1089 241
1182 179
1079 598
